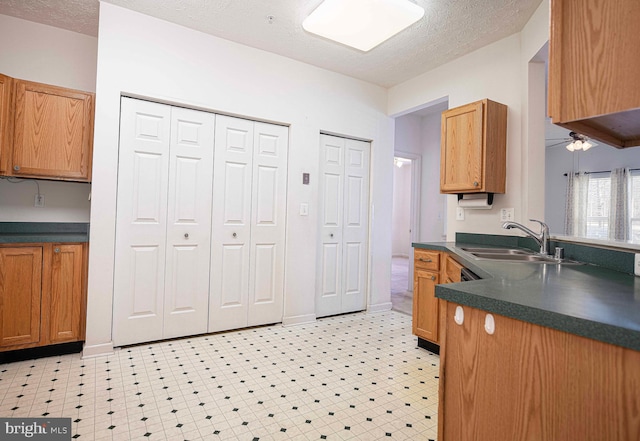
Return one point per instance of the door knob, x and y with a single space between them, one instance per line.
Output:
235 234
186 235
331 235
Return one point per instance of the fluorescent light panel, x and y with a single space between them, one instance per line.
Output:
362 24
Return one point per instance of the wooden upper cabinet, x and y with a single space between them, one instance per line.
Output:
474 148
594 66
52 133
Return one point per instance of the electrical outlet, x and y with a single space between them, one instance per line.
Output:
636 264
506 214
459 213
39 201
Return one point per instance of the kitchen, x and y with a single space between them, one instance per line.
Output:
184 66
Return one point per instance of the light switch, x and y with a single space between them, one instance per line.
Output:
304 209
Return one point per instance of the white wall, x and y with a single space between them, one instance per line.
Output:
35 52
498 72
148 57
421 136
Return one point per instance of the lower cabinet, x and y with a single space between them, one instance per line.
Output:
528 382
42 294
430 269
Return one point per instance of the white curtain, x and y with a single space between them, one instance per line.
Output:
576 207
619 208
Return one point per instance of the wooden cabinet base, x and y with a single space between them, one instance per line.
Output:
528 382
42 294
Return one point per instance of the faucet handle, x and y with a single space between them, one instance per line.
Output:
542 224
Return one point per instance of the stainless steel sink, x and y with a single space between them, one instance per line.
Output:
509 255
496 250
516 257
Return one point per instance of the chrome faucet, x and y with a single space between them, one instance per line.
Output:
541 238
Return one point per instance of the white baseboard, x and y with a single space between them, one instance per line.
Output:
380 307
406 256
100 350
298 319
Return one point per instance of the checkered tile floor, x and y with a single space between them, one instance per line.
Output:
357 376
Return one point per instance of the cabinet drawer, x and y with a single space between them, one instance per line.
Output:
429 260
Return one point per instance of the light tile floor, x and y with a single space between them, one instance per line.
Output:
357 376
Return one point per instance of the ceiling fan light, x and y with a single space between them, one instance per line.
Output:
586 145
571 147
362 24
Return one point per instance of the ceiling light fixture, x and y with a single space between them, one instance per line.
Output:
580 142
362 24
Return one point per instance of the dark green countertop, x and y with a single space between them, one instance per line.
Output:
38 232
587 300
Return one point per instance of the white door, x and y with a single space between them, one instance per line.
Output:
163 222
269 189
186 297
231 224
249 202
344 201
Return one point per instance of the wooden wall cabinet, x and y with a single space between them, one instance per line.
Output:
42 294
594 68
474 148
528 382
48 131
430 269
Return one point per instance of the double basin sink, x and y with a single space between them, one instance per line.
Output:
510 255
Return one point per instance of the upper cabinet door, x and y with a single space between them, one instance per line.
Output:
473 148
53 132
461 166
594 67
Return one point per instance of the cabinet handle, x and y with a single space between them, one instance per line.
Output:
489 324
475 183
458 317
186 235
425 260
433 277
56 250
235 234
16 167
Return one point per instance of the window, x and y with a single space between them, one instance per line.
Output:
599 203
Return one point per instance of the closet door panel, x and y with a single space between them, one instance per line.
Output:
269 189
141 222
355 229
231 224
330 260
189 223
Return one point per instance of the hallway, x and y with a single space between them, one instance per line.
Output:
401 299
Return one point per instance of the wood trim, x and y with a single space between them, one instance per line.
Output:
555 66
6 121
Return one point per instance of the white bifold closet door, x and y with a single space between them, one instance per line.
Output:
163 223
341 285
248 224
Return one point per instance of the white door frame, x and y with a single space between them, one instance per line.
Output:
414 211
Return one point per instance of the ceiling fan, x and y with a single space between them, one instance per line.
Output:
576 141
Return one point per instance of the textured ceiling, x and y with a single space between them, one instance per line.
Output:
449 29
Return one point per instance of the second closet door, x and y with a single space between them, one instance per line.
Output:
344 226
248 224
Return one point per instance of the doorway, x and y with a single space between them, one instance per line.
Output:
404 228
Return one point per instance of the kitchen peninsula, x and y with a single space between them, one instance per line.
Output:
537 350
